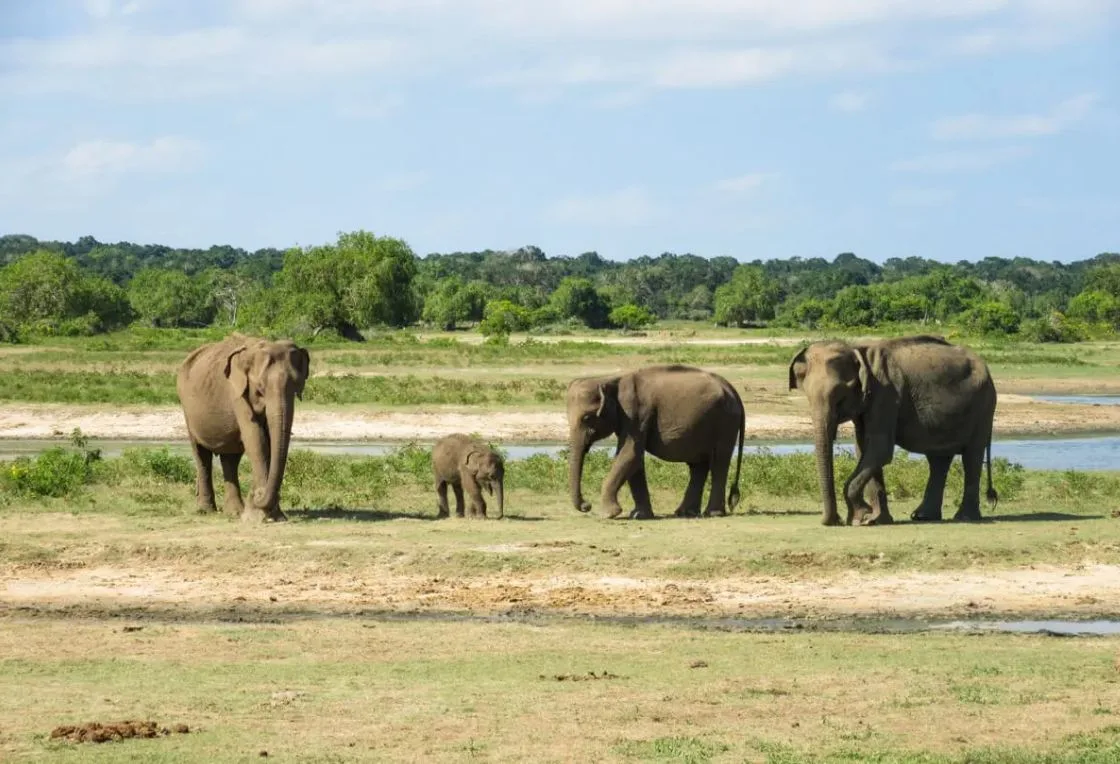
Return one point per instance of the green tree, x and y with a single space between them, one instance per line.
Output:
1095 306
750 297
46 292
453 302
577 298
991 317
170 298
631 317
362 280
503 317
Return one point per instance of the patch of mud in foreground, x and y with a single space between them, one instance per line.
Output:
96 732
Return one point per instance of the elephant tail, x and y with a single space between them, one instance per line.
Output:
733 495
992 495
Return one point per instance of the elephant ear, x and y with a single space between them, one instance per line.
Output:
237 370
471 461
797 369
302 362
867 359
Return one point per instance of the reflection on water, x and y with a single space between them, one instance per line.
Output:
1080 453
1084 400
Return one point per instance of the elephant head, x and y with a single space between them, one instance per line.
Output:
594 412
488 470
837 379
270 376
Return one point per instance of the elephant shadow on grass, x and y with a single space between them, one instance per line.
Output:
374 515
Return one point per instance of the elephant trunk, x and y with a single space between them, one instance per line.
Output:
280 433
824 435
577 450
500 496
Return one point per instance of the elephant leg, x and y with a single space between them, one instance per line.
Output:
697 477
204 477
441 498
929 511
458 491
233 504
474 492
627 461
880 512
639 489
876 452
972 459
717 497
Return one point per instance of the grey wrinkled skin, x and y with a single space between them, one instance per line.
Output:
921 393
238 398
467 465
676 413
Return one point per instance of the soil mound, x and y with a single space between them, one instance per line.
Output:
96 732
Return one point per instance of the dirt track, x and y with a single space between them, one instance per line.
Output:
1016 415
1035 591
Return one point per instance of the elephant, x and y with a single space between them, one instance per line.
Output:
467 464
676 413
238 397
918 392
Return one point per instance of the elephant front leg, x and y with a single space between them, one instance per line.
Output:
929 511
639 489
233 505
627 461
697 477
876 452
458 491
474 492
441 499
204 477
880 511
256 442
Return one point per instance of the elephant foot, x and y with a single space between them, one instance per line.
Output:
611 511
205 509
967 516
253 515
233 510
882 518
641 513
715 512
919 516
831 520
687 510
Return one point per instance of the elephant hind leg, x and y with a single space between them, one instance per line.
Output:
697 477
972 459
233 505
204 477
458 491
929 511
717 497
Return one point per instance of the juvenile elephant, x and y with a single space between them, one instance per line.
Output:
467 464
677 413
919 392
238 398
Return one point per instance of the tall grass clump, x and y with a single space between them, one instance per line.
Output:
55 473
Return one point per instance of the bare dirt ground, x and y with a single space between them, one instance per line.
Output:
1016 415
1076 591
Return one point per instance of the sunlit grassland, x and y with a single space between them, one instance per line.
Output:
404 369
330 690
378 513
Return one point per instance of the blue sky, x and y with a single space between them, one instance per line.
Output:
950 129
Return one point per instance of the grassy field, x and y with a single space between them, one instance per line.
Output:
366 630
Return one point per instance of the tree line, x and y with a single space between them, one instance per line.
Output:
362 281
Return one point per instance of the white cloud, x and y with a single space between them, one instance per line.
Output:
626 207
960 161
110 158
983 126
627 45
744 183
849 101
921 197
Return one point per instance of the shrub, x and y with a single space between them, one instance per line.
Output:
55 472
631 316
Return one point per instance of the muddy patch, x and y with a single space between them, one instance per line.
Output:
111 732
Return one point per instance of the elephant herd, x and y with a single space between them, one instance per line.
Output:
920 393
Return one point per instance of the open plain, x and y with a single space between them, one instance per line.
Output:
365 629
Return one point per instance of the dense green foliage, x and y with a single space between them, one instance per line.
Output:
363 281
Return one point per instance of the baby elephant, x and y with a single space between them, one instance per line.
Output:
467 464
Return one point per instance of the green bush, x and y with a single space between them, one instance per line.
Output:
55 472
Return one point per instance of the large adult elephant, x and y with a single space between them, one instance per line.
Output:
238 397
676 413
921 393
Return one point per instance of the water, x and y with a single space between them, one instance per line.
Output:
1084 400
1078 453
